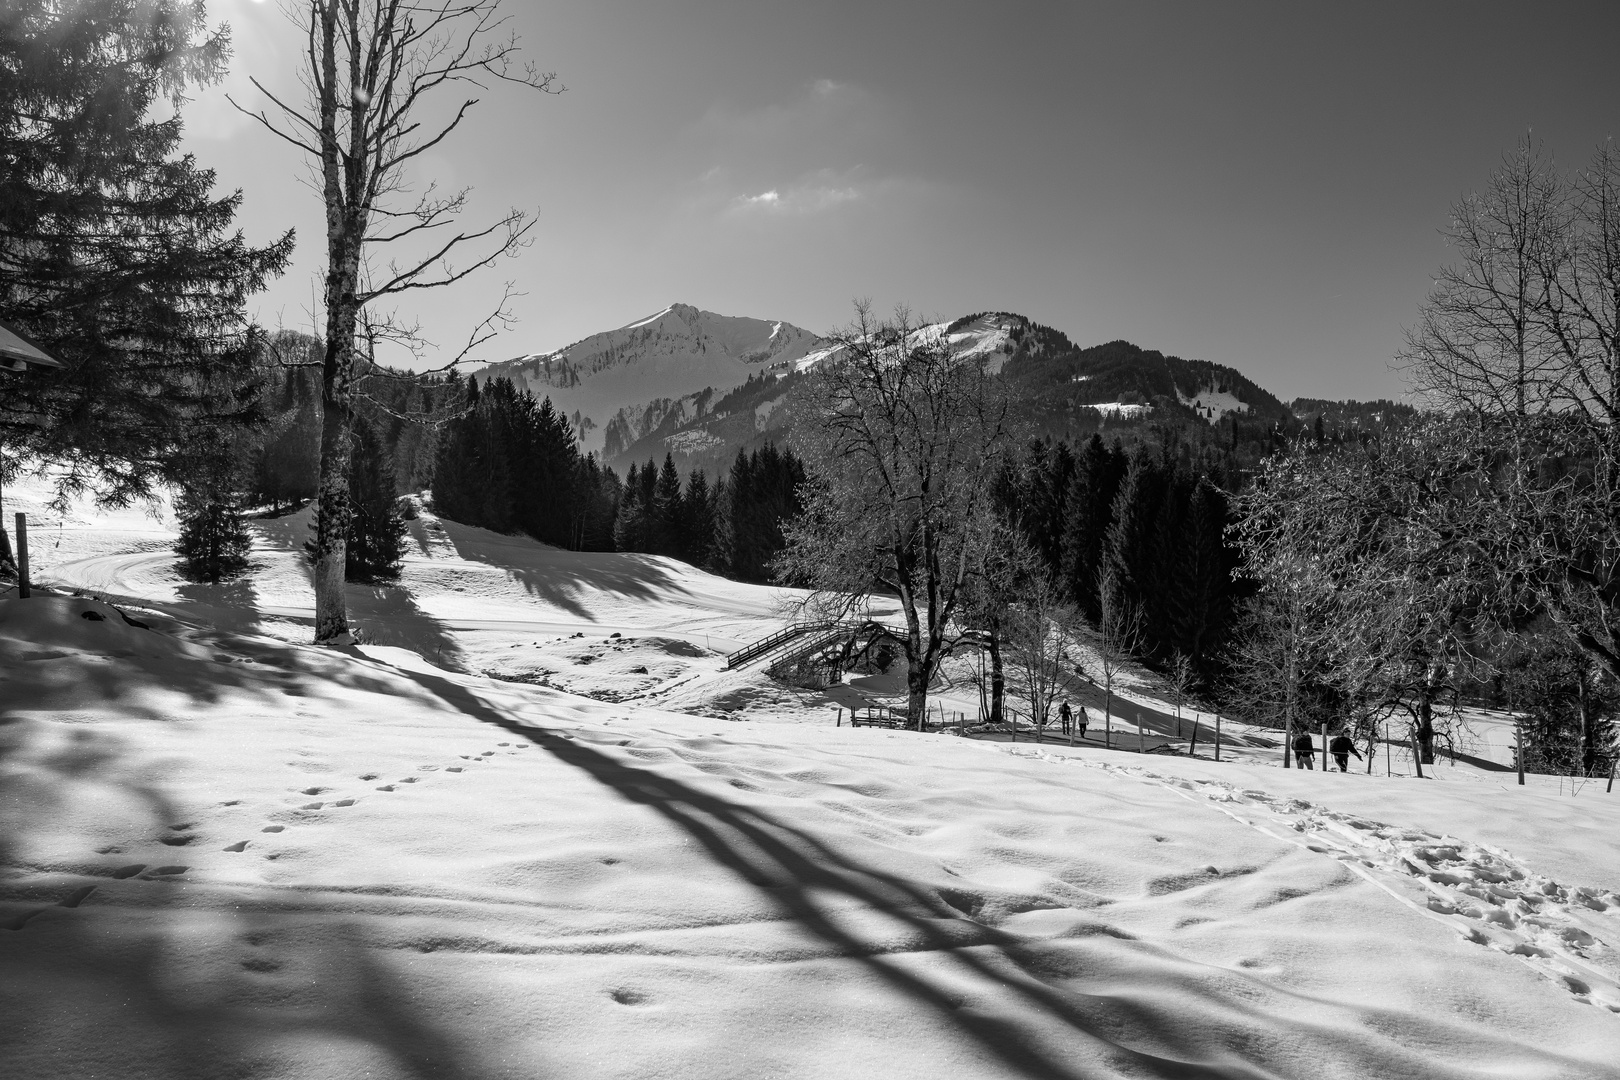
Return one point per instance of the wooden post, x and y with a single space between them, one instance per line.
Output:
1192 750
1611 777
1324 747
1417 754
1217 736
840 722
22 556
1518 746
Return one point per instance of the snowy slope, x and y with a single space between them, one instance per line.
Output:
226 854
988 337
666 356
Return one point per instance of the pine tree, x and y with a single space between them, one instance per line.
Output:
668 512
630 523
1089 511
376 527
697 520
214 541
115 255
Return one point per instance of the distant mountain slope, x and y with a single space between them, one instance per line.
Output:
620 384
702 386
1347 416
1118 373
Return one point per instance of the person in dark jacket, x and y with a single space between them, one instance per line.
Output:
1341 748
1305 751
1065 717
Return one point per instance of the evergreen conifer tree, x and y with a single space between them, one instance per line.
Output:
115 254
668 512
697 519
214 541
1089 510
376 527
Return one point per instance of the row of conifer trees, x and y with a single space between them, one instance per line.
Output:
1149 523
510 464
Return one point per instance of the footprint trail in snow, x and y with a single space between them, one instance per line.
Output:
1566 933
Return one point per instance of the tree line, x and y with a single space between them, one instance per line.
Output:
510 464
1469 556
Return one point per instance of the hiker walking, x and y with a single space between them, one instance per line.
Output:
1083 721
1065 717
1341 748
1305 751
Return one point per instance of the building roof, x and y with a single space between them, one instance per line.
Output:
17 352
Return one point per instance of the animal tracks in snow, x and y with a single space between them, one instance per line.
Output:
1566 933
187 834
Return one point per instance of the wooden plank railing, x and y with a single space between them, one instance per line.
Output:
764 646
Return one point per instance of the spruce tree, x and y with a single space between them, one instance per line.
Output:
214 541
668 511
376 527
630 523
115 255
697 519
1089 511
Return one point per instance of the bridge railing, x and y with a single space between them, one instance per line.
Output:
751 652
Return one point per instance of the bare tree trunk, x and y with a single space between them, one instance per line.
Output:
1425 724
333 508
1588 726
916 694
998 678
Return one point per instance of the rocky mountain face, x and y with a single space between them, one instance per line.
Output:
619 385
702 386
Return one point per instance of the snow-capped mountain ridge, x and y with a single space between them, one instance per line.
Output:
670 355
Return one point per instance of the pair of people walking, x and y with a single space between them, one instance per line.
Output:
1067 719
1341 748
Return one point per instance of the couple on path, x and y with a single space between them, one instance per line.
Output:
1341 748
1066 719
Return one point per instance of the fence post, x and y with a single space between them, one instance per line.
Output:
22 556
1518 746
1611 777
840 722
1217 736
1417 754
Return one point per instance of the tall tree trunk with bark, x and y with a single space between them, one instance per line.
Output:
371 66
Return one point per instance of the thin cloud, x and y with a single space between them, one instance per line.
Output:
809 197
815 193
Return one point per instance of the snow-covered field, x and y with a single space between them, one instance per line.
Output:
224 853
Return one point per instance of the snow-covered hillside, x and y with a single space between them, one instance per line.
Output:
1212 403
673 354
224 853
989 337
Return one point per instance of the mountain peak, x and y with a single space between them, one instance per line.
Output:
671 354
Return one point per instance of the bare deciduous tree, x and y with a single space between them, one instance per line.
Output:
378 74
1119 634
1035 626
902 439
1481 341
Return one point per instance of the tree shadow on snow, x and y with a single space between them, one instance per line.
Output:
562 578
116 962
801 874
227 606
388 615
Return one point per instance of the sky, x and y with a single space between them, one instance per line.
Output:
1262 185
